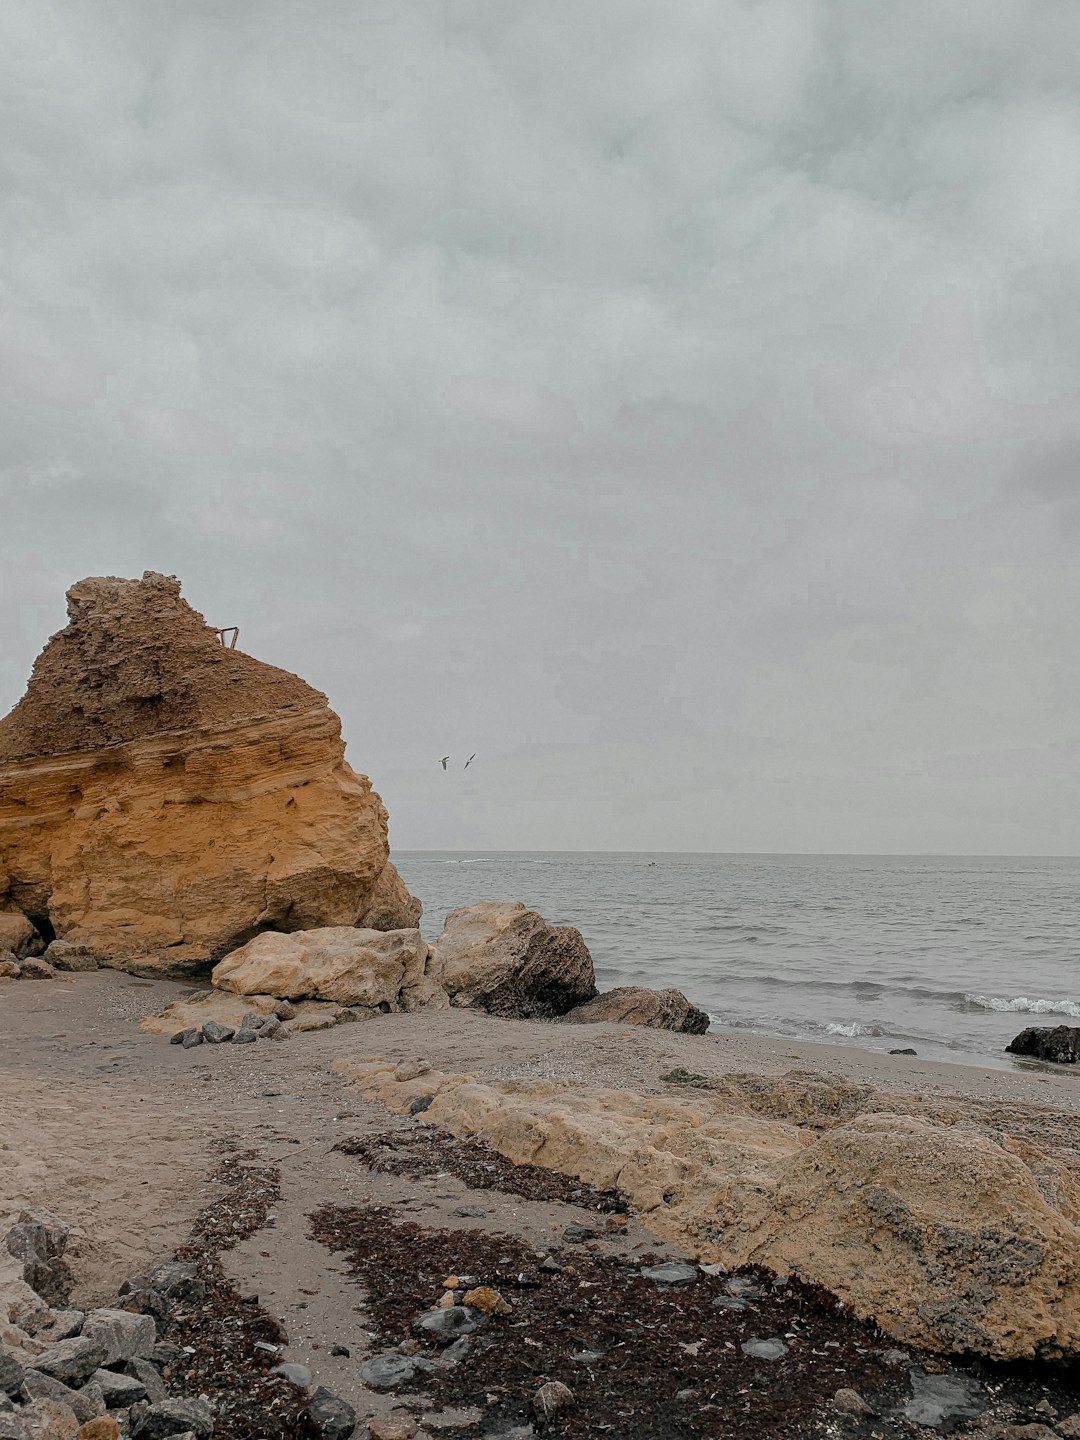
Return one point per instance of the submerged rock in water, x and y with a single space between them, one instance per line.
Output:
636 1005
501 957
165 797
1059 1043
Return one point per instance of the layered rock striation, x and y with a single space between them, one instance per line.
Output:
164 799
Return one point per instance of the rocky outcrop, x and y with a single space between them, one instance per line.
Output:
378 969
164 798
635 1005
1059 1043
953 1227
501 957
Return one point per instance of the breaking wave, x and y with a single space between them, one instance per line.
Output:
1028 1007
853 1029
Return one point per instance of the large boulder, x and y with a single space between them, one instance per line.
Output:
952 1224
503 958
18 935
635 1005
163 798
1059 1043
380 969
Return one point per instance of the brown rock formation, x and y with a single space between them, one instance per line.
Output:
163 798
635 1005
500 957
951 1224
380 969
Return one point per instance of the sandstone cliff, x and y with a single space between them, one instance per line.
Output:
163 799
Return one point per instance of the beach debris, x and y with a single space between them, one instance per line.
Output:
937 1400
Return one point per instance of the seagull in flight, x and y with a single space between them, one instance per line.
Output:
443 761
469 761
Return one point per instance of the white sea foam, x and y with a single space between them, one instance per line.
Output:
1029 1007
853 1029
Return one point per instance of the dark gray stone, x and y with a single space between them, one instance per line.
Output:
71 1361
334 1418
64 1324
388 1371
730 1302
217 1034
450 1322
12 1428
758 1349
674 1272
937 1400
150 1377
175 1279
88 1402
459 1349
1059 1043
173 1418
119 1389
165 1354
298 1375
244 1036
191 1038
579 1234
469 1212
11 1372
907 1051
123 1334
28 1242
51 1279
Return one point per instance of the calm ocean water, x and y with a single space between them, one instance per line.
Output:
951 956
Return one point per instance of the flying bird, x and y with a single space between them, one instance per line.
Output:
469 761
443 761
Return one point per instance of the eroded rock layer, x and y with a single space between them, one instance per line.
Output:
953 1225
163 799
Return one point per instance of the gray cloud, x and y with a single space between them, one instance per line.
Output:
674 403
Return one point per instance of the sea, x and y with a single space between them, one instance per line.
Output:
950 956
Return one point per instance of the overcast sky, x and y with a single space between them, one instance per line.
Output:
673 401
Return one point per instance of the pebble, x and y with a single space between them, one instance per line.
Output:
486 1300
191 1038
551 1399
392 1427
459 1349
340 1350
675 1272
579 1234
850 1402
420 1104
334 1418
244 1037
387 1371
452 1322
938 1400
730 1302
895 1358
903 1052
298 1375
216 1033
470 1212
772 1349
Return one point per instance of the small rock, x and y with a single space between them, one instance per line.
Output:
244 1036
675 1272
105 1427
36 969
298 1375
119 1389
420 1104
150 1376
122 1334
71 1361
51 1279
772 1349
340 1350
458 1350
730 1302
550 1266
903 1052
937 1400
172 1418
411 1069
451 1323
269 1027
11 1372
175 1279
165 1354
578 1235
850 1402
87 1402
387 1371
284 1010
398 1426
64 1324
486 1300
895 1358
552 1399
217 1034
10 969
469 1212
334 1418
190 1038
588 1357
65 955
